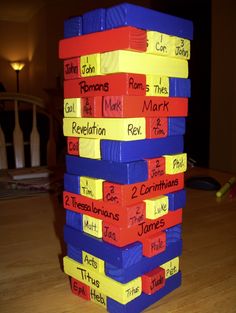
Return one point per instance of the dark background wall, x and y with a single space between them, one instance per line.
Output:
198 121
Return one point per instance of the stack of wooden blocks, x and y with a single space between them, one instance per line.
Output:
126 92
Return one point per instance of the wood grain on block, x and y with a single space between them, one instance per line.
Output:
72 68
146 264
126 151
138 106
127 38
106 85
73 26
122 61
74 220
105 128
122 264
140 17
94 21
72 183
121 173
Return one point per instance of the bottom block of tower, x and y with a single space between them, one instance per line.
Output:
144 301
135 306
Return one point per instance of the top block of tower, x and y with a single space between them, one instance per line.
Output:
126 14
73 27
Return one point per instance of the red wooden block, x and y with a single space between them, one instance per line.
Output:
123 106
80 289
110 213
154 245
73 145
156 167
121 237
156 127
153 281
126 84
123 38
72 68
134 193
91 107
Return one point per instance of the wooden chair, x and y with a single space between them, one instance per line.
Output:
14 103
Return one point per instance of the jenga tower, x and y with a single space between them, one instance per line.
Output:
126 91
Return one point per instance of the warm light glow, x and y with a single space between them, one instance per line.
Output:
17 66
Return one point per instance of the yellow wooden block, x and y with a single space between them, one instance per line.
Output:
92 226
156 207
92 262
157 85
159 43
122 293
166 45
98 298
72 107
121 61
181 48
89 148
91 187
176 163
105 128
171 267
90 65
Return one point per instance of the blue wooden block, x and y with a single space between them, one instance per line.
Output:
74 253
73 27
174 234
176 126
120 257
123 151
72 183
122 173
177 200
126 14
144 301
180 87
94 21
123 275
74 220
